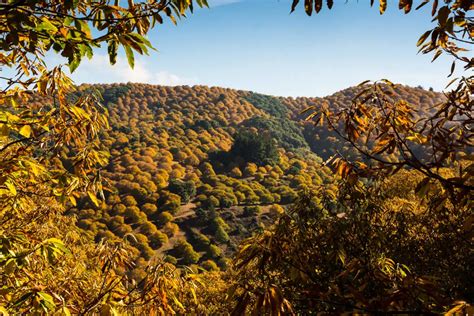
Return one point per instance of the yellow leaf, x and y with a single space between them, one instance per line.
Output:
36 168
73 200
3 311
42 84
25 131
13 102
458 309
383 6
66 311
93 198
80 113
194 296
45 127
178 303
11 187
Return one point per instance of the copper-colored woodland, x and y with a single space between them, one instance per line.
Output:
138 199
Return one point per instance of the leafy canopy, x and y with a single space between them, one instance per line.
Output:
352 256
50 154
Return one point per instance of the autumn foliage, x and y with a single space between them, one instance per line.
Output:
140 199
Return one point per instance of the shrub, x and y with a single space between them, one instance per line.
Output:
200 240
250 169
186 252
157 239
164 218
169 202
236 173
149 209
276 210
210 265
170 259
215 252
253 147
185 189
129 201
251 211
221 235
170 229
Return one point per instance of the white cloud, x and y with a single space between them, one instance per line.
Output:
99 70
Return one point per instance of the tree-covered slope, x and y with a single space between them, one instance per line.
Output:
194 170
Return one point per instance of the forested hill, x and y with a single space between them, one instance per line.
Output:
193 170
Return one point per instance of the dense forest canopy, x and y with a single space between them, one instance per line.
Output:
141 199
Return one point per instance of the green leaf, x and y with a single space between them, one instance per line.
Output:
74 63
47 301
130 56
112 51
140 39
84 27
68 21
86 50
47 26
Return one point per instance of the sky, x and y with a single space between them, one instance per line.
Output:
258 45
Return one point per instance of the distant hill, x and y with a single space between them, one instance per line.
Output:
193 170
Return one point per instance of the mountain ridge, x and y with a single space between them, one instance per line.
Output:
192 86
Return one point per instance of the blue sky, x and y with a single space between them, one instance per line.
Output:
257 45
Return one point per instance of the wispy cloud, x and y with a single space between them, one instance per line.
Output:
98 69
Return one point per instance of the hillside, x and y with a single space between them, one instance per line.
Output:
194 170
